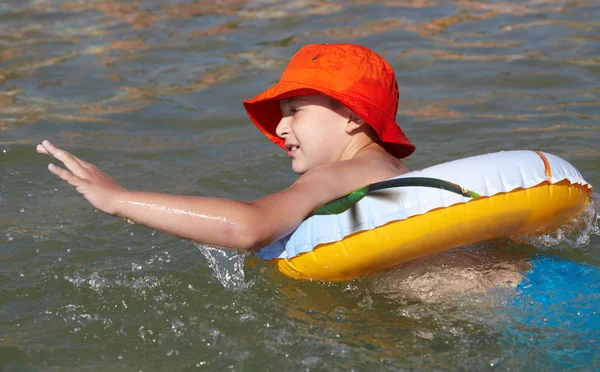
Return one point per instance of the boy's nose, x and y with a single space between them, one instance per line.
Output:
283 128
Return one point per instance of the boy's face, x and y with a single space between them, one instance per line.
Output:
314 133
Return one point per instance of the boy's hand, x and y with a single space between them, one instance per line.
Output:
96 186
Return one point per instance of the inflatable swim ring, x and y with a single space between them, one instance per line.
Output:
434 209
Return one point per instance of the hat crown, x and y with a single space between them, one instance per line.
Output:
348 69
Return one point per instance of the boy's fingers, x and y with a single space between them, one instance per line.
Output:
64 174
68 160
83 163
41 150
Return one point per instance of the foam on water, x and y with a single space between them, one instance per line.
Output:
576 234
228 266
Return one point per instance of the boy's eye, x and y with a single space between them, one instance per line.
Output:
294 110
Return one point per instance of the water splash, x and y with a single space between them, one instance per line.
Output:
228 266
575 234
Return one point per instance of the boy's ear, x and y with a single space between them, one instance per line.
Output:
354 122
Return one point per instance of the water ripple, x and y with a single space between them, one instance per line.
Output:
151 92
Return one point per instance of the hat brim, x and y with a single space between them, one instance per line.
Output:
264 110
265 113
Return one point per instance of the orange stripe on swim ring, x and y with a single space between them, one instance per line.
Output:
546 165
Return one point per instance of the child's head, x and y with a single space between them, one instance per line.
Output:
318 130
335 82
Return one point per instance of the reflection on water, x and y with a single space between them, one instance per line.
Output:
151 92
124 38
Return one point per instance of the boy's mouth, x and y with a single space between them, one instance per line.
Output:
291 149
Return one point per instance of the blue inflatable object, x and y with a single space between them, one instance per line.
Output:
570 289
557 313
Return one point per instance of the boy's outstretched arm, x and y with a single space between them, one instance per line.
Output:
216 221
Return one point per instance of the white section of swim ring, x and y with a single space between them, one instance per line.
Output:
487 175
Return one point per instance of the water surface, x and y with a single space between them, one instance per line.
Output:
150 91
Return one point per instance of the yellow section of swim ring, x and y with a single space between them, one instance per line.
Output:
544 207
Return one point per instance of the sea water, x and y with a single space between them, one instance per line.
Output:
151 93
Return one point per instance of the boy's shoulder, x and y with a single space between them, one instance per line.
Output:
333 180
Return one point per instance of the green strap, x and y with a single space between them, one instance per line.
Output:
346 202
423 182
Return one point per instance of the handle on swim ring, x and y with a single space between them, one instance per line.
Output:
346 202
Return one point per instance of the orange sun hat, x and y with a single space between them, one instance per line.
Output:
351 74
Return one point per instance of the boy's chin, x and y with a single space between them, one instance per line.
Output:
299 168
299 171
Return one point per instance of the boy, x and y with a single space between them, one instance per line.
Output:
333 111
